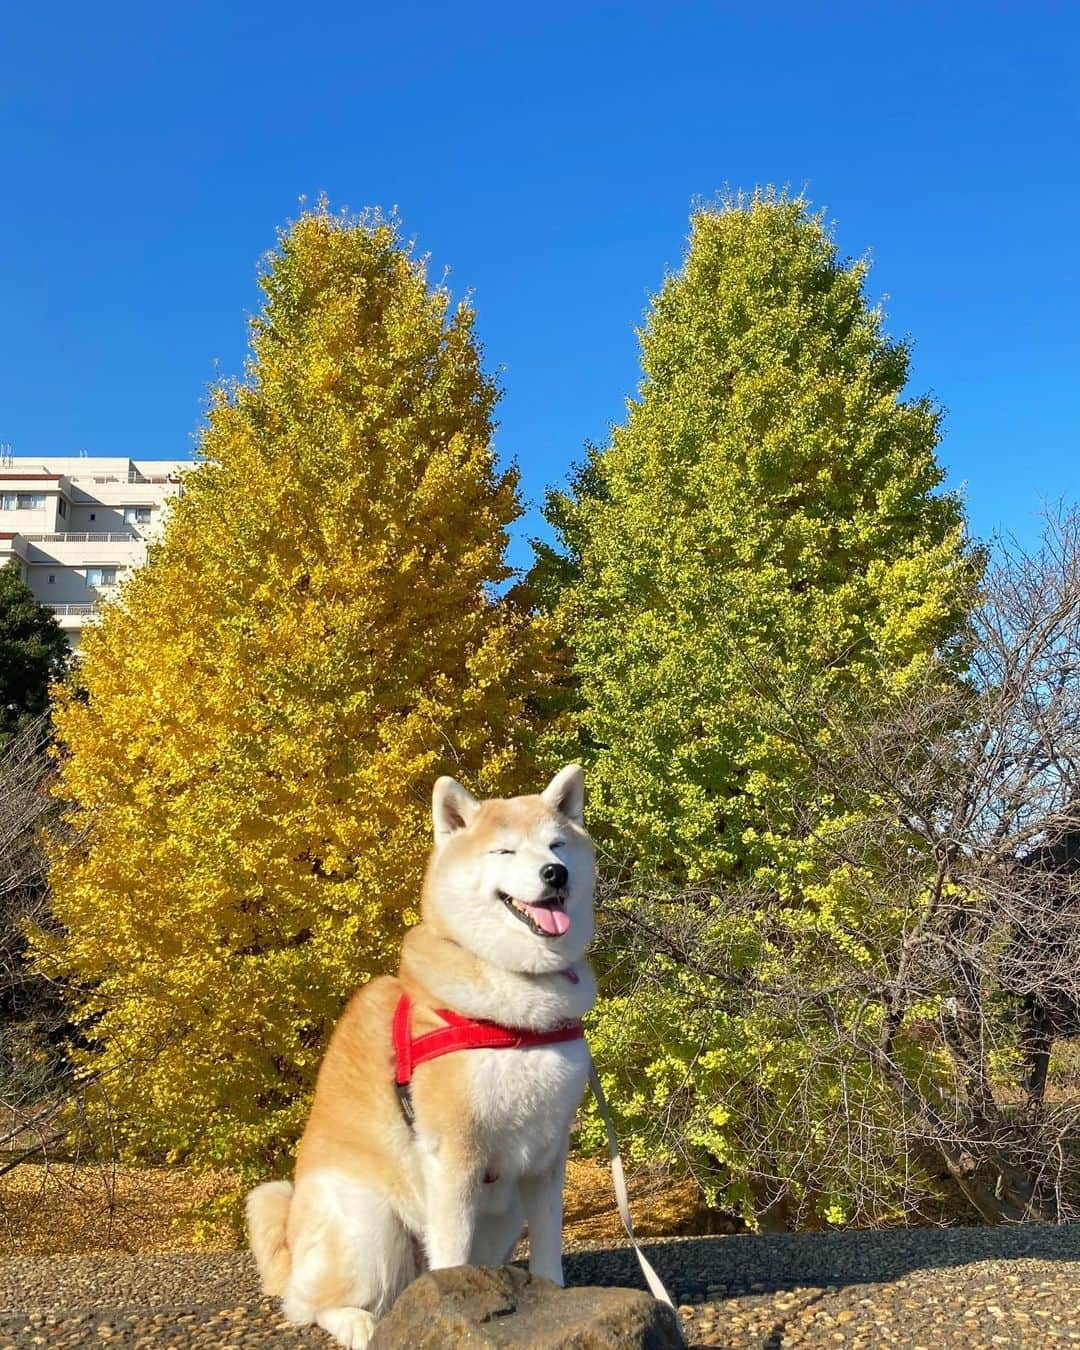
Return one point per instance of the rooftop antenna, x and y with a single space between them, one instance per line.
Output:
7 459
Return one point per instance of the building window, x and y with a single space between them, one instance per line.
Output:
136 515
52 578
24 501
93 515
101 576
61 506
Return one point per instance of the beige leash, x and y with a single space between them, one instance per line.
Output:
622 1198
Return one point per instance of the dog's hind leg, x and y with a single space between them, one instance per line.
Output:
351 1256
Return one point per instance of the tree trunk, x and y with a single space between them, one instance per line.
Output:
1037 1043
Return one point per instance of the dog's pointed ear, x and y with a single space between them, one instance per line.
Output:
452 808
566 793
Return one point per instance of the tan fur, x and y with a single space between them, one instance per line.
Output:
355 1123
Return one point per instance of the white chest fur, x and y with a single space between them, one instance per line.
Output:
523 1103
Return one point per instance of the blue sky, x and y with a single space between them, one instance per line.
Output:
549 156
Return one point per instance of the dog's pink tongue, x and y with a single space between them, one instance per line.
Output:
551 918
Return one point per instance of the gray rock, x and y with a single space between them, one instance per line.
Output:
505 1306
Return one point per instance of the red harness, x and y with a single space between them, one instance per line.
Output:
461 1033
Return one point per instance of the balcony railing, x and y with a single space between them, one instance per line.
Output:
86 537
122 478
72 611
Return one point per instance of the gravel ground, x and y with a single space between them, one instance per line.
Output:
927 1287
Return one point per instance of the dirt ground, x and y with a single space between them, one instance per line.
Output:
66 1209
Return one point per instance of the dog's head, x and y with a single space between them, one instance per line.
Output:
512 879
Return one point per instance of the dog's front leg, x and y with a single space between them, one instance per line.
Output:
452 1194
542 1198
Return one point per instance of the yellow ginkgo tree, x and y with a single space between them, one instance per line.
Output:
247 760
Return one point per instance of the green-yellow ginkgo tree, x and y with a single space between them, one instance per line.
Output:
763 537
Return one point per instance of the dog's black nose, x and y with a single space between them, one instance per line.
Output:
554 874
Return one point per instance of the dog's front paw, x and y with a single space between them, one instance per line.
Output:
548 1272
353 1327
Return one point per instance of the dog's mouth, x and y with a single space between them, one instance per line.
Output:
547 919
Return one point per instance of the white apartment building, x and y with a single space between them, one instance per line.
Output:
77 527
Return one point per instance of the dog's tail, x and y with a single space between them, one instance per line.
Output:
267 1214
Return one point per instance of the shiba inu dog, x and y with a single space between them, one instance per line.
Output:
446 1167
